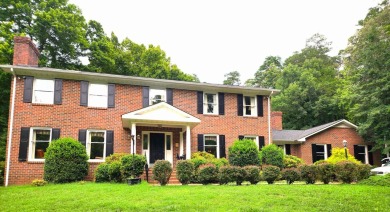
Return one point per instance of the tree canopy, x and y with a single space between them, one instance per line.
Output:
232 78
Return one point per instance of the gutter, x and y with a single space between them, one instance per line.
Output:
11 124
269 118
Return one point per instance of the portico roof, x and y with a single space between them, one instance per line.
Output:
161 114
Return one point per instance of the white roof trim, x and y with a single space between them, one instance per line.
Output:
159 114
323 129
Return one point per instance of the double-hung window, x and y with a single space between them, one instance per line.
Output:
249 106
210 103
321 152
97 95
157 96
361 153
43 92
211 145
96 144
40 139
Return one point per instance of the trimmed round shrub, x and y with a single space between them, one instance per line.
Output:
252 174
308 173
66 160
114 171
243 153
127 168
184 171
208 174
102 173
325 172
346 171
272 155
364 171
270 174
226 175
291 175
290 161
162 171
115 157
239 174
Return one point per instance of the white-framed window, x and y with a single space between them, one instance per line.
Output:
96 144
362 153
40 139
210 103
211 144
253 138
43 91
250 106
157 96
97 95
321 152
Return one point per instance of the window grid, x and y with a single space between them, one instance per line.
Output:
210 103
249 106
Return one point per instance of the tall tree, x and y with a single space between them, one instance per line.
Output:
268 73
232 78
367 61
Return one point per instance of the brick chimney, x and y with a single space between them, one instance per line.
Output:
276 120
25 52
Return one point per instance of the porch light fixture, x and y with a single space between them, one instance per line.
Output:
345 148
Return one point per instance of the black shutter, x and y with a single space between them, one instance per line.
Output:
370 155
240 137
314 152
24 141
55 134
288 149
221 103
329 149
222 152
145 96
111 96
170 96
58 91
28 89
83 137
200 102
240 105
261 142
109 142
356 151
260 108
84 93
200 143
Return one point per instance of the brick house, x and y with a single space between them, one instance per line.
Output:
168 119
316 143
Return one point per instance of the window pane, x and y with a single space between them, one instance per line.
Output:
145 142
97 101
43 97
250 138
43 85
210 108
97 137
168 141
247 100
97 150
157 96
42 135
211 150
98 89
320 155
40 149
248 110
210 140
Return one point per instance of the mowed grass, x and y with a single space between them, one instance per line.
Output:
121 197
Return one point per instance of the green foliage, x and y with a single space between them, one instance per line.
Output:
377 180
338 154
115 157
226 175
2 167
201 158
243 153
38 182
346 171
291 161
291 175
252 174
114 172
132 165
102 173
239 174
184 171
268 73
66 160
162 171
272 155
325 172
219 162
232 78
364 171
5 85
308 173
208 173
270 174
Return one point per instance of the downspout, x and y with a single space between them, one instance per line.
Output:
11 124
269 118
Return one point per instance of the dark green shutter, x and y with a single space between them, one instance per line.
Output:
84 93
24 142
109 142
240 105
28 89
83 137
145 96
200 102
222 148
356 151
370 155
55 134
58 91
261 142
240 137
111 96
260 108
170 96
329 149
288 149
221 103
314 152
200 143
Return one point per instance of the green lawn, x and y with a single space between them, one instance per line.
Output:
121 197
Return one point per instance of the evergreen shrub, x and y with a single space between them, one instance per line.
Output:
208 173
308 173
272 155
184 171
291 175
128 169
162 171
252 174
243 153
270 174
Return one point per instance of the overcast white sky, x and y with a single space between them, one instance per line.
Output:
213 37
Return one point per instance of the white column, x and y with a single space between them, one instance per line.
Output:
181 144
188 143
133 133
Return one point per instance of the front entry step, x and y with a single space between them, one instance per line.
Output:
172 180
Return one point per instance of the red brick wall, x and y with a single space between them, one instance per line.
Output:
333 136
70 117
277 120
25 52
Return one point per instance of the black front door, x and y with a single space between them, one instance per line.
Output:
157 150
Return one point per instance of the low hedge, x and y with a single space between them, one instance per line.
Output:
162 171
270 174
184 171
208 173
308 173
102 173
129 169
346 171
325 172
252 174
291 175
